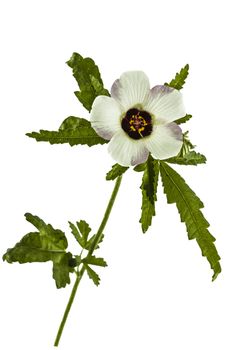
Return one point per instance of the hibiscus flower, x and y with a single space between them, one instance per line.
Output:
138 120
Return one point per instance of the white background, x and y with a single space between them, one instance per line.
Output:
156 292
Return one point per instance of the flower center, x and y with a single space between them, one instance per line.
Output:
137 124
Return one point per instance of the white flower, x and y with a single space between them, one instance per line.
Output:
138 120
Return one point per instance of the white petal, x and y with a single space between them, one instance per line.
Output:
131 89
165 104
127 151
165 141
105 116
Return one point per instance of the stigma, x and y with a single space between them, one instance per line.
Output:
137 123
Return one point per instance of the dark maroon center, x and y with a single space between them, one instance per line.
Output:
137 124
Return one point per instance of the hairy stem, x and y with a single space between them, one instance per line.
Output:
90 252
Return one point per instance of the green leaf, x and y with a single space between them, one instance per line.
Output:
84 228
140 167
81 232
87 75
187 143
51 239
29 249
98 86
74 131
92 260
76 234
183 119
92 274
189 205
179 80
149 191
48 244
72 123
187 146
191 158
61 270
117 170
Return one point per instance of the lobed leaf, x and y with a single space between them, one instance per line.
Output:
93 260
92 274
149 192
48 244
189 205
179 80
81 232
74 131
117 170
191 158
88 77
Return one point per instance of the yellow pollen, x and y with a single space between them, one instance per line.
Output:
137 118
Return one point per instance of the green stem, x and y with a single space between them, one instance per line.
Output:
90 252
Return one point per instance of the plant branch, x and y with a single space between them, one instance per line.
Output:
90 252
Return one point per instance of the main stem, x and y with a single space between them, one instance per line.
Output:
91 250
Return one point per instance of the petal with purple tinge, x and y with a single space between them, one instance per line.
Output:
127 151
131 89
165 103
165 141
105 116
